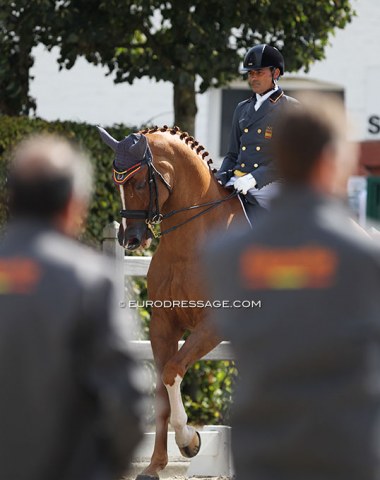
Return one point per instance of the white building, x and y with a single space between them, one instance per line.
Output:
84 93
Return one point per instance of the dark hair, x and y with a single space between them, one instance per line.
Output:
43 197
303 132
45 172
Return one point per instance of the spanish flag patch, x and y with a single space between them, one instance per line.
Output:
307 267
268 133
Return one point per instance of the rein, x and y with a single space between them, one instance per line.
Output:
153 217
210 205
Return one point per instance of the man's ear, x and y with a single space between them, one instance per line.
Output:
324 172
72 219
276 74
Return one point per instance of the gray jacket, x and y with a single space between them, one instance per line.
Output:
249 149
68 407
308 401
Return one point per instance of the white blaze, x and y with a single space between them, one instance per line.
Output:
123 220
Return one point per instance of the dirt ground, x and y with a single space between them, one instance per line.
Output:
174 471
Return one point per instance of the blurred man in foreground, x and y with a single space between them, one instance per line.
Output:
68 407
308 403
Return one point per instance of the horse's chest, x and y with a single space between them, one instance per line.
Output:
177 285
178 291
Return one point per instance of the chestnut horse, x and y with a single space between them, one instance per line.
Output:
164 174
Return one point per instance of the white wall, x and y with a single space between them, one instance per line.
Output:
353 60
85 94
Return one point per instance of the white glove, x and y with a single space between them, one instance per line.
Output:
243 184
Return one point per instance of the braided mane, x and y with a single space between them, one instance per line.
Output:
185 137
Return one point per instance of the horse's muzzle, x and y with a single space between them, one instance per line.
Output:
133 243
134 236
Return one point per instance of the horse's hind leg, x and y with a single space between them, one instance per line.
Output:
201 341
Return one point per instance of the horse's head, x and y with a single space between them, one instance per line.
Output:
140 191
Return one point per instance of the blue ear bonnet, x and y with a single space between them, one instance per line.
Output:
130 154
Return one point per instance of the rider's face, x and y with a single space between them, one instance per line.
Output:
261 80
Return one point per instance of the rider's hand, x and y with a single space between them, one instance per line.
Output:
221 177
243 184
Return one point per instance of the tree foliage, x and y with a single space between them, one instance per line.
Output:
23 25
190 43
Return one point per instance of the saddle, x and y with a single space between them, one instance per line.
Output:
252 207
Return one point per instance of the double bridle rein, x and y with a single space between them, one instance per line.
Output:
153 216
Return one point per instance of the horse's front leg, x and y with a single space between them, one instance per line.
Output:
200 341
186 437
164 346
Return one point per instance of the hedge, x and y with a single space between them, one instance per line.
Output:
207 388
105 204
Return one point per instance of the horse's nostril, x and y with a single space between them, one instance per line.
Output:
133 243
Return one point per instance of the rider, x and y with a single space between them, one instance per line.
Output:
249 164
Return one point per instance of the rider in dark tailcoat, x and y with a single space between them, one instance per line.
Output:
249 164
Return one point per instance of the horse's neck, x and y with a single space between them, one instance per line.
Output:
194 184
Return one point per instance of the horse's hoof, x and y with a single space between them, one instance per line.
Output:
193 448
142 476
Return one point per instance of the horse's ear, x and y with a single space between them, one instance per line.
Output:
107 138
138 150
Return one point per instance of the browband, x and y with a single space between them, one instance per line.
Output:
120 178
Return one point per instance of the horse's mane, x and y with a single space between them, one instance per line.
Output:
190 141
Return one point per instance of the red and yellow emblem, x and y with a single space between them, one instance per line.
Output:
288 268
18 275
268 133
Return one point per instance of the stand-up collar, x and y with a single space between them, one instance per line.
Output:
274 95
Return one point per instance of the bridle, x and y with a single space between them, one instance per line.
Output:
153 216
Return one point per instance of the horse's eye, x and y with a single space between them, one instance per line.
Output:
140 185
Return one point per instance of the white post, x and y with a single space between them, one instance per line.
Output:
124 283
112 248
215 457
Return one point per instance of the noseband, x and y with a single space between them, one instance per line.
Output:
153 216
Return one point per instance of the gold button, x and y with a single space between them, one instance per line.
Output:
244 148
258 148
246 130
255 165
259 130
242 165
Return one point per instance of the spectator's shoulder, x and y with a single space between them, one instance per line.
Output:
357 239
291 100
74 258
341 230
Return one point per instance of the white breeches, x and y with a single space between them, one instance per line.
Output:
263 195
